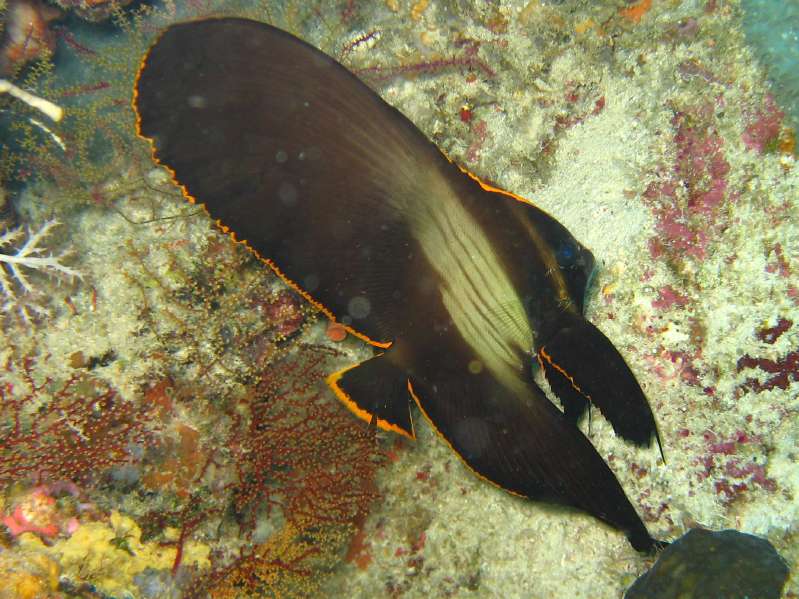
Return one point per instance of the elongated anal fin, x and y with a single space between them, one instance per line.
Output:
376 391
516 439
582 365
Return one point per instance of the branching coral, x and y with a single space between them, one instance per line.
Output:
52 110
30 256
64 430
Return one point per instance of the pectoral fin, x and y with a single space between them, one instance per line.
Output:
376 391
582 365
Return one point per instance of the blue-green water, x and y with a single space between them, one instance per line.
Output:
772 28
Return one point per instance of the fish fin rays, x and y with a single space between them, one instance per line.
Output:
582 365
523 444
376 391
288 149
573 402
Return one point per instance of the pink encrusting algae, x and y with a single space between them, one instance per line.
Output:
764 128
687 198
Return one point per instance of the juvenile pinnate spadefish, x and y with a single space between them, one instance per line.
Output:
458 285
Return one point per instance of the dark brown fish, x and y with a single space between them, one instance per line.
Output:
457 284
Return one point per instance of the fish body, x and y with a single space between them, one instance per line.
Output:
458 285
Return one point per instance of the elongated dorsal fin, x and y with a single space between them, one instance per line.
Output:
293 154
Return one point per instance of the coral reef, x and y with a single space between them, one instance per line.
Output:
28 257
171 407
64 430
48 108
36 512
28 574
92 10
26 35
109 555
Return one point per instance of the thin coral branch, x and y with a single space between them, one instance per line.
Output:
51 110
30 256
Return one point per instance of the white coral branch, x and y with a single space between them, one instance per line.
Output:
53 111
30 256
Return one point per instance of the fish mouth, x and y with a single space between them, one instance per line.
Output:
589 283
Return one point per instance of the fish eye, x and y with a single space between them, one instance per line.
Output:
566 254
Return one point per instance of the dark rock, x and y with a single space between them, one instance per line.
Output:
705 564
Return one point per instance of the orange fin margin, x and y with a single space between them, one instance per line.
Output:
225 229
366 415
460 457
